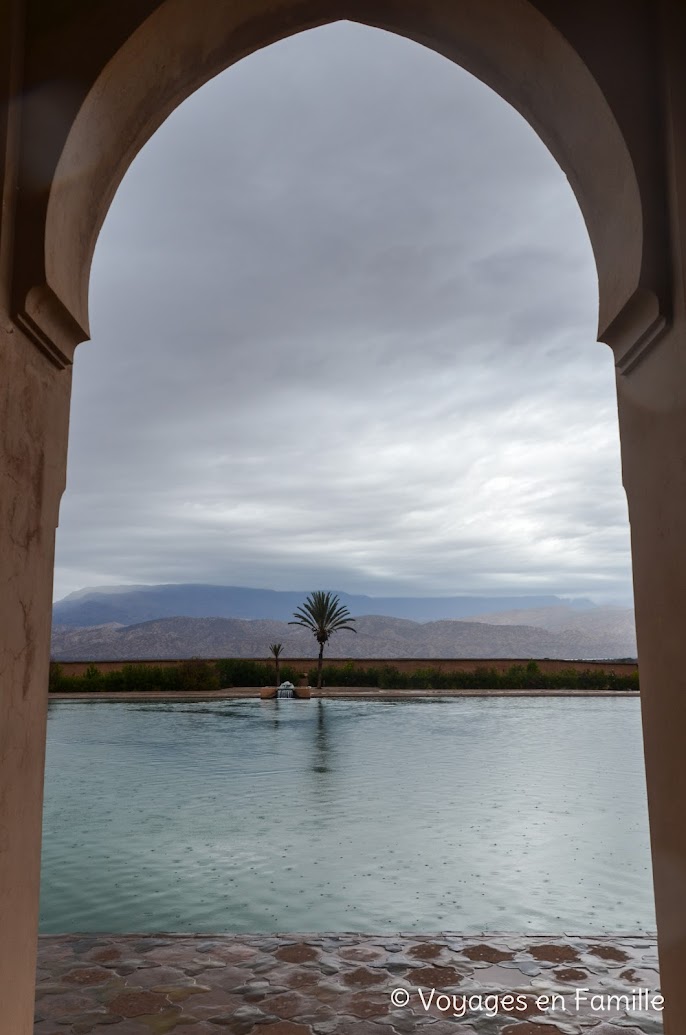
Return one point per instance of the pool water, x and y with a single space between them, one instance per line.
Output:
525 814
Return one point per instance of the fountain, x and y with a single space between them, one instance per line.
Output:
286 690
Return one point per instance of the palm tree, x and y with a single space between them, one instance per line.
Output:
322 614
276 649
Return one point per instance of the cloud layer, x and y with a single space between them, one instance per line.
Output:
343 312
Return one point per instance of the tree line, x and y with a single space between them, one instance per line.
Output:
199 675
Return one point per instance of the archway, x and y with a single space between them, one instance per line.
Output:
150 332
509 46
605 93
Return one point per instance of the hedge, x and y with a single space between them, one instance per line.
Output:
200 675
517 677
194 674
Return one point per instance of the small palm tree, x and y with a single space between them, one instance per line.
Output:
322 614
276 649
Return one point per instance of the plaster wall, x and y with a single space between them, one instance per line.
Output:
652 420
34 410
84 83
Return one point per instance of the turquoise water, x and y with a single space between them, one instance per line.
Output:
470 814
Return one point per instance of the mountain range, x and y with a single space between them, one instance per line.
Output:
557 630
128 605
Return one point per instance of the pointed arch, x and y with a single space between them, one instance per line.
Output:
508 44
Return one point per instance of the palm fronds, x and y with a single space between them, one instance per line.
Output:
323 614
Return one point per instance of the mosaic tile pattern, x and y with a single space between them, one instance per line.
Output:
346 985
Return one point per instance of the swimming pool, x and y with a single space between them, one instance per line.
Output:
467 814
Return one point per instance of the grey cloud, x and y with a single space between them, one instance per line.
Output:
343 314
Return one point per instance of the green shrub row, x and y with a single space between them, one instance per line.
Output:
196 674
240 672
189 675
517 677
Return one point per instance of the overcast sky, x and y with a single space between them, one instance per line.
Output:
343 313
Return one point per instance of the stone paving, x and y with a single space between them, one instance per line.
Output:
346 985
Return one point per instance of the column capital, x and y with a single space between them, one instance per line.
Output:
636 330
47 323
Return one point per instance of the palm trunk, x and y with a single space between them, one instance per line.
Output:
319 666
278 670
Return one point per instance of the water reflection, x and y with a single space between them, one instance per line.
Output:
322 748
464 814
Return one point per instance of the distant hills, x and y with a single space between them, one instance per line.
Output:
556 631
130 605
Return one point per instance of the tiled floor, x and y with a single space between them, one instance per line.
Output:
347 984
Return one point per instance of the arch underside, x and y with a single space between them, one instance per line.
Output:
508 44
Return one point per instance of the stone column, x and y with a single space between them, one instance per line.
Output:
34 412
654 470
651 391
